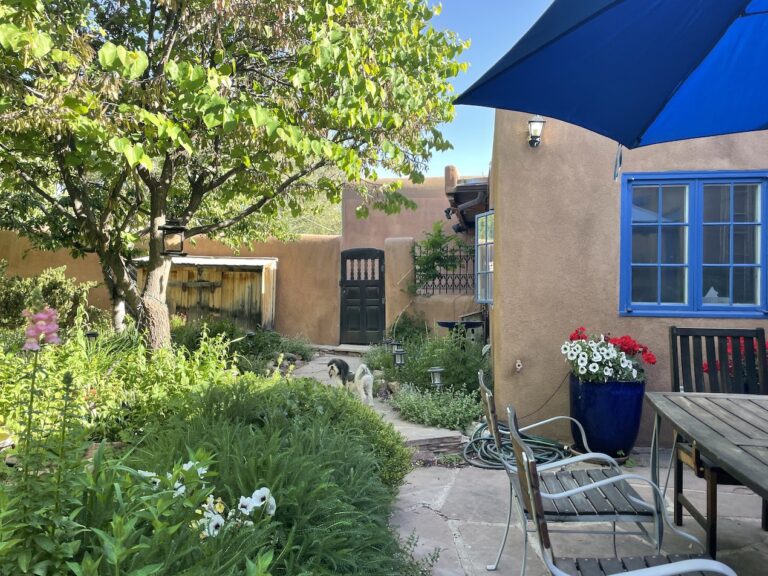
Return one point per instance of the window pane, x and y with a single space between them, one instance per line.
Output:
482 259
645 247
717 202
645 204
717 244
482 282
746 203
745 244
745 285
489 228
674 244
481 220
644 284
673 285
490 257
674 203
716 285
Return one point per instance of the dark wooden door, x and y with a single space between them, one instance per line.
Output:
362 296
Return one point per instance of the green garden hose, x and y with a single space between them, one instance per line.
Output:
481 450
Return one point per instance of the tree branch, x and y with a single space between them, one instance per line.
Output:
222 224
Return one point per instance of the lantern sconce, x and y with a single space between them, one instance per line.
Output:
436 376
173 238
535 128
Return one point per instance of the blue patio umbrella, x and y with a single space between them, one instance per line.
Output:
639 71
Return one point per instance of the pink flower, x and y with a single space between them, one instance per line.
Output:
42 328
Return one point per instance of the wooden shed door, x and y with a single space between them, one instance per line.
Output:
362 296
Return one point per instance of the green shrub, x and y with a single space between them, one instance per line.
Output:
409 328
461 359
332 508
445 409
253 351
51 287
378 358
279 402
117 385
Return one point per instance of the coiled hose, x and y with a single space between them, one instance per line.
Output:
481 450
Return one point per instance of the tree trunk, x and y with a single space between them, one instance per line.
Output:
155 319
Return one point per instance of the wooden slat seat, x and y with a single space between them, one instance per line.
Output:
610 503
607 566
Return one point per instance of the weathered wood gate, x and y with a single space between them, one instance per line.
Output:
362 296
238 289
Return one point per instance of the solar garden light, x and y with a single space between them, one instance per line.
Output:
91 335
535 128
387 343
398 353
436 376
173 238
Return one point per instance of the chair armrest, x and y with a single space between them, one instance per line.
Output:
591 457
685 567
548 420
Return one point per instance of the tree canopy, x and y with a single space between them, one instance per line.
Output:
116 115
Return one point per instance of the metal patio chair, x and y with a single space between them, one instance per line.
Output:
712 360
533 494
614 503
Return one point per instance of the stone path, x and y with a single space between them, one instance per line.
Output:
462 511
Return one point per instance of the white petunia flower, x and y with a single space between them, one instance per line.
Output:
212 524
178 487
151 476
201 470
608 371
582 370
246 505
597 357
565 348
594 368
572 355
634 373
263 496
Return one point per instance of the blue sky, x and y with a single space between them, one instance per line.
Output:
493 26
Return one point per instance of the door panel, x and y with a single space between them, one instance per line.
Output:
362 296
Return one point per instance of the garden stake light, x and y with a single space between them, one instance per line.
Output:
436 376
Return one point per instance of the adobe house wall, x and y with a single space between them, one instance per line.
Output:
372 232
307 301
556 263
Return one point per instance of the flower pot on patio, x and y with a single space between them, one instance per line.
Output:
607 389
609 412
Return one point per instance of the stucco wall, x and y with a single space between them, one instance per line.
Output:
371 232
399 275
557 251
25 261
307 300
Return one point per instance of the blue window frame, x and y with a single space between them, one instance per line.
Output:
484 258
693 244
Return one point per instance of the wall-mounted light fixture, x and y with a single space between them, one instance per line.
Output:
173 238
535 128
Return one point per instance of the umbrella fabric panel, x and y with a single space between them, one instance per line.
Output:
610 68
727 93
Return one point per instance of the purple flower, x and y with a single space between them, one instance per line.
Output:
42 328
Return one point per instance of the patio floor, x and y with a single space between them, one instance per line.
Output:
462 512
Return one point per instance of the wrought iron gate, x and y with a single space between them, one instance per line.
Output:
362 296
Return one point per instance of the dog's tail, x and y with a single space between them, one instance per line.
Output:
361 371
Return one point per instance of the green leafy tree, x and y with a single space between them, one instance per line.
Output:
226 114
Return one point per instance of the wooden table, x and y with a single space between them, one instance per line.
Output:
731 430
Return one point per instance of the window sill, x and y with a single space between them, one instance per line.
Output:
694 313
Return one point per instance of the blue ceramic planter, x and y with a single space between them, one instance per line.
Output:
610 413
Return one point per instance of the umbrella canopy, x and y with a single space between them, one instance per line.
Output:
639 71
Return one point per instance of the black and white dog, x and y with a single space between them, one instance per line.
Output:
361 383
